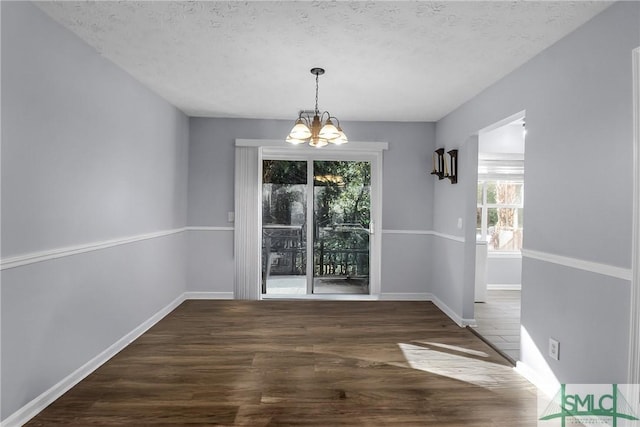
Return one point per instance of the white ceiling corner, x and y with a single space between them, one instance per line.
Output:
394 60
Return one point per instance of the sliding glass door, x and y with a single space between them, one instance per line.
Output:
341 225
284 231
316 226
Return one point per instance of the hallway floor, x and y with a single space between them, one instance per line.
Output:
498 321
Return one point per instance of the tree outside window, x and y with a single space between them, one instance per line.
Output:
500 214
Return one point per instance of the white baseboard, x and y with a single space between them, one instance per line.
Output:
504 287
31 409
452 314
208 295
401 296
426 296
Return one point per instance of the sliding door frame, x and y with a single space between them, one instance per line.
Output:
354 151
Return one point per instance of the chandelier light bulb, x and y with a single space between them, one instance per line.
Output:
300 130
295 141
341 139
329 131
318 142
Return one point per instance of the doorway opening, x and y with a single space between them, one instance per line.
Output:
316 226
499 231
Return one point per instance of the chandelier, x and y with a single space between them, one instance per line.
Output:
316 128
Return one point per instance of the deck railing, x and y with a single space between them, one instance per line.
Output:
338 251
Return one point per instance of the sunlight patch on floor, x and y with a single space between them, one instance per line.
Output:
462 368
455 348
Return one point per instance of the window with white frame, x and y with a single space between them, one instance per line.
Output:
500 213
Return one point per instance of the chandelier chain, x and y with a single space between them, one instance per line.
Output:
317 94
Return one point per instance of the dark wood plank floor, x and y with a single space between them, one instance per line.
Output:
322 363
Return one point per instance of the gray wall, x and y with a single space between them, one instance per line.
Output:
505 139
577 97
407 194
88 155
504 271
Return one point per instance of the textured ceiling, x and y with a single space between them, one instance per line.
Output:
405 61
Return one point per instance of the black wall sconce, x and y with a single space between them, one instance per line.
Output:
438 163
445 165
452 172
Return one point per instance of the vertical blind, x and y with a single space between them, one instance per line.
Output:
247 236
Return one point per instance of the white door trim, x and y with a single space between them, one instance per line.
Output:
282 146
374 156
369 151
634 329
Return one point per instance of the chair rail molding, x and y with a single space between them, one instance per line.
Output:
33 257
579 264
207 228
425 233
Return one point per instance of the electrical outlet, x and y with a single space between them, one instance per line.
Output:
554 349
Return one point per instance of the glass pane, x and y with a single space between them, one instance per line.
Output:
491 192
508 193
342 201
520 193
503 232
492 218
479 193
521 218
284 172
284 201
